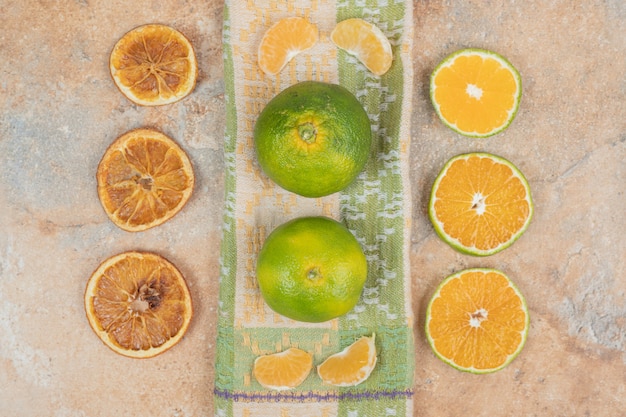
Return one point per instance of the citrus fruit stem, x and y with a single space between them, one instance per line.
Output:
307 132
314 274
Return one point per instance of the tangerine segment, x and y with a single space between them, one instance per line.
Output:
477 320
366 42
138 304
476 92
144 179
283 370
154 65
284 40
351 366
480 203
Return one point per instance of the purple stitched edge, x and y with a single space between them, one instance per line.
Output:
310 396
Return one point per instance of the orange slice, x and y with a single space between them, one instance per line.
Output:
366 42
138 304
476 92
144 179
283 370
154 65
477 320
284 40
351 366
480 204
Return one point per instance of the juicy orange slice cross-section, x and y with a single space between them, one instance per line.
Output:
138 304
480 203
144 179
477 320
154 65
283 370
366 42
351 366
476 92
284 40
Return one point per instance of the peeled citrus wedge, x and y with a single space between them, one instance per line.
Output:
351 366
477 320
154 65
366 42
476 92
138 304
283 370
144 179
284 40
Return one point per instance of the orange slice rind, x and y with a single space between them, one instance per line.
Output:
144 179
366 42
476 92
153 65
138 304
480 203
477 321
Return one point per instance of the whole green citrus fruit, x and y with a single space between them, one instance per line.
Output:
311 269
313 138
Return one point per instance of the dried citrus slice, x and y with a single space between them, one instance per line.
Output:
476 92
154 65
352 365
284 40
144 179
366 42
480 203
138 304
477 320
283 370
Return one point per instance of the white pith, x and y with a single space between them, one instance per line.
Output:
474 91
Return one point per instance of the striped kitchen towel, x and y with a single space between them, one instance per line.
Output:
376 208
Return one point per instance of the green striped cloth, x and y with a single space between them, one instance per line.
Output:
376 208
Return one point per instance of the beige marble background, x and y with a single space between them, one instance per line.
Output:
59 110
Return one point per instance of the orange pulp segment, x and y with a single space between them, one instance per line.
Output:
138 304
480 203
477 320
366 42
476 92
144 179
351 366
154 65
284 40
283 370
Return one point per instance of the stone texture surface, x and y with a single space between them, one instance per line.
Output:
60 110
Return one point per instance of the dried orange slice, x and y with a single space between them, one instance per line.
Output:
283 370
480 203
138 304
366 42
284 40
477 320
144 179
351 366
476 92
154 65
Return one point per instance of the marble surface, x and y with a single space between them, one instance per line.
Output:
59 110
